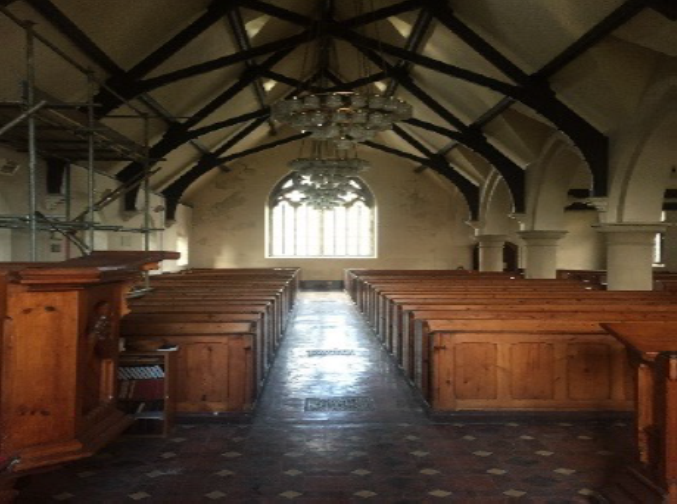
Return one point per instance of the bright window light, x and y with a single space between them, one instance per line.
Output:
298 230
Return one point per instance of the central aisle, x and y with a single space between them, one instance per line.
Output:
385 451
329 361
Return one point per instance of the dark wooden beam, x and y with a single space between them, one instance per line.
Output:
404 80
241 36
177 134
418 59
414 142
443 13
216 64
66 26
278 12
601 30
227 123
125 80
239 136
666 7
175 190
511 172
475 141
382 13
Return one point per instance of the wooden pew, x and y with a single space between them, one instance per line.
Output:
495 321
483 325
216 363
526 365
227 324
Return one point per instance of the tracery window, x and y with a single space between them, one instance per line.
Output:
296 229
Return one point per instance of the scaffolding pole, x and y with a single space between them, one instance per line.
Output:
24 115
146 194
91 181
85 222
32 147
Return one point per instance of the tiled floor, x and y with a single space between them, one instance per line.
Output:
386 452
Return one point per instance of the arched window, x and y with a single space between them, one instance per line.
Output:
296 229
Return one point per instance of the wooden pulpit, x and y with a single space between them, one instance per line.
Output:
652 478
59 342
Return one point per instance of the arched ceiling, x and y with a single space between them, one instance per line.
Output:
489 80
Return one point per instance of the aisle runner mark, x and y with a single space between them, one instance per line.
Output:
340 404
319 353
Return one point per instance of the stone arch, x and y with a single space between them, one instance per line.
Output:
496 205
644 160
548 182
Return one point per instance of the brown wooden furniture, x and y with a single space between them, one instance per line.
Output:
216 365
228 324
135 399
58 361
556 365
653 350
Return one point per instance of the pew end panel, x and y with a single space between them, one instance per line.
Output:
519 371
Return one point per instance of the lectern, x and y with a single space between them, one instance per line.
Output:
58 358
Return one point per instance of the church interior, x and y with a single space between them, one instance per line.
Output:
333 251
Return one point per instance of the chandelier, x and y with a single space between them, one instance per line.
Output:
327 175
343 117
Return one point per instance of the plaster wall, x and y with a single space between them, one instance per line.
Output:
583 247
420 219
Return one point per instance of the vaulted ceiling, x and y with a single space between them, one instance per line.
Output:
489 80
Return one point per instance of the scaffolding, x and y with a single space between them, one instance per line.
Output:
44 127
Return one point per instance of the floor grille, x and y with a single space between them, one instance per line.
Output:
320 404
322 352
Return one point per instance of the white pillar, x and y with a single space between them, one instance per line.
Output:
541 253
630 255
491 251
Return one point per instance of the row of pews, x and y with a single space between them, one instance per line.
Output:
227 325
487 343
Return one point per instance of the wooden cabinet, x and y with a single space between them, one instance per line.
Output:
147 390
59 355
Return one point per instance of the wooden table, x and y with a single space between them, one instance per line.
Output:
653 352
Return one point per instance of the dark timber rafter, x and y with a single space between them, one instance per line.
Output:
124 80
535 94
216 64
592 143
511 172
440 164
363 19
178 133
174 191
244 44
